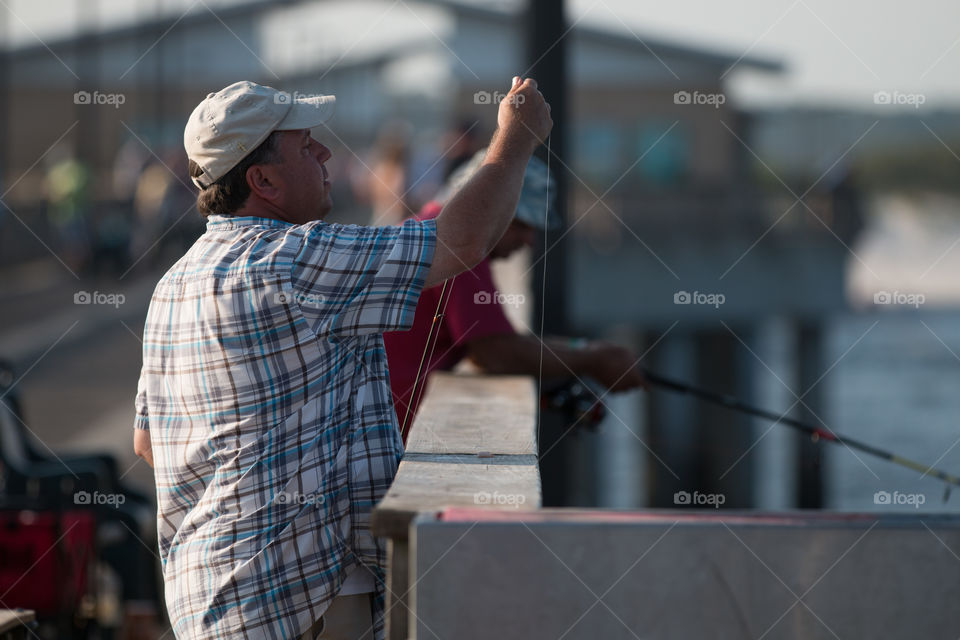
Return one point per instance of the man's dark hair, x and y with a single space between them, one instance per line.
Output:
228 194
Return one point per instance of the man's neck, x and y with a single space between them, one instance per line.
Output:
260 209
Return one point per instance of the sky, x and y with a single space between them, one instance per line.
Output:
837 52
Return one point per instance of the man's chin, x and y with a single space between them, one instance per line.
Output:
324 210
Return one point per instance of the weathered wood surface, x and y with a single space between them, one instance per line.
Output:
11 620
473 413
473 443
433 485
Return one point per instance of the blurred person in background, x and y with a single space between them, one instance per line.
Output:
433 160
263 402
384 183
130 161
111 243
165 210
473 325
462 142
68 184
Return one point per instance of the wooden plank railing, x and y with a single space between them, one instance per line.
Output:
473 443
15 624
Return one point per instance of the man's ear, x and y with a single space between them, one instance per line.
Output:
262 180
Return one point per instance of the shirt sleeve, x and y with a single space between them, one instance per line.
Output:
353 280
140 404
475 310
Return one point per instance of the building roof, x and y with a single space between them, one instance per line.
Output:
644 43
250 8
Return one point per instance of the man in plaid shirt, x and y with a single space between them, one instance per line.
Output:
264 402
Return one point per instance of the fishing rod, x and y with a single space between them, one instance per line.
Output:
814 432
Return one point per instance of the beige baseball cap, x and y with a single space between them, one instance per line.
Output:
232 122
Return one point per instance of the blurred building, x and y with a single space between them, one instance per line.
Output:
666 208
431 63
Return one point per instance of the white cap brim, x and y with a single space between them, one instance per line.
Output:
307 113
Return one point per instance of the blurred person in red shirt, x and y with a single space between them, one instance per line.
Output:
473 323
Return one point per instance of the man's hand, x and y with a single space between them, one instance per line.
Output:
476 216
614 367
142 446
524 116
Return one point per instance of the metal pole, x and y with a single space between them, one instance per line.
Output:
546 50
5 97
810 365
546 61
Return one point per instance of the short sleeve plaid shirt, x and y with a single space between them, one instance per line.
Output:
265 390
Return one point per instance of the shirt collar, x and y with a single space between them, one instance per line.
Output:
221 222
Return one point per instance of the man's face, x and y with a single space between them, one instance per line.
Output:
302 176
517 236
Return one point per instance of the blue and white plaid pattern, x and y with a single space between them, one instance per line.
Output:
264 386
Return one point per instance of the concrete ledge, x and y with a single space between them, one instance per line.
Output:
596 574
472 444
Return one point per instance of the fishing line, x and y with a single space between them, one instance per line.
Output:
434 334
543 286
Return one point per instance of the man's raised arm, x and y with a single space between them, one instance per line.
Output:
474 219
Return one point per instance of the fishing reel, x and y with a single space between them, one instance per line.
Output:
578 402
